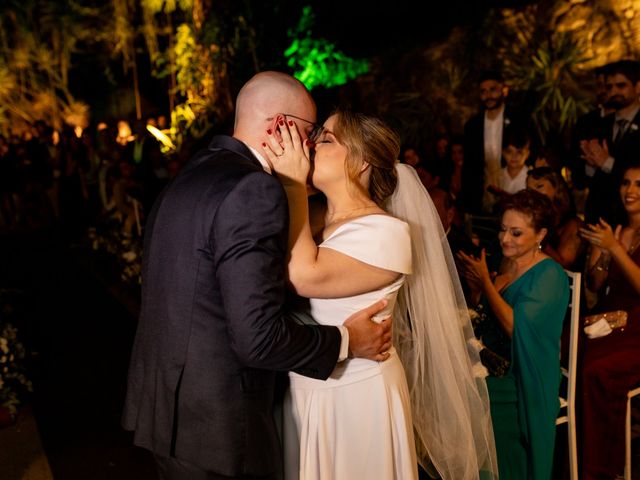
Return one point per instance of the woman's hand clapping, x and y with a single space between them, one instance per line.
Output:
602 235
475 270
290 158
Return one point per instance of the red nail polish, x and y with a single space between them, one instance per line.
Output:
281 122
264 145
269 132
291 123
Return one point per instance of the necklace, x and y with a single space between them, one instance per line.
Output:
635 241
337 216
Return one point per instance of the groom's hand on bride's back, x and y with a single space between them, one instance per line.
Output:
369 339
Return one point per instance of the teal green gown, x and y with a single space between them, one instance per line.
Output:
524 401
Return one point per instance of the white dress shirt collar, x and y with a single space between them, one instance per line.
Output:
261 159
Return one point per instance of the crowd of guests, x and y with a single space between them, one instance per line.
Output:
75 178
515 217
510 207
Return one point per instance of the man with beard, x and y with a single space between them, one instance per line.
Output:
617 142
483 144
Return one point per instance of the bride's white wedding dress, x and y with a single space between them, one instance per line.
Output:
357 424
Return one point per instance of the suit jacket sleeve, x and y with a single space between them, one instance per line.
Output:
249 240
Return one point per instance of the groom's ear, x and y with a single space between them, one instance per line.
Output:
275 126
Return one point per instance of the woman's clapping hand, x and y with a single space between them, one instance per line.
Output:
602 235
474 270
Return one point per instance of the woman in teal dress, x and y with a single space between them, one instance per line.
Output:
525 304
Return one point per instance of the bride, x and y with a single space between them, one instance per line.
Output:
380 238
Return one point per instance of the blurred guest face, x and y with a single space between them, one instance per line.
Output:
428 179
457 154
630 191
492 94
441 147
541 185
621 91
515 157
411 157
517 237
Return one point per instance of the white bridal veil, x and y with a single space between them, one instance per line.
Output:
435 340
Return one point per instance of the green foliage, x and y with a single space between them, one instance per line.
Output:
547 66
316 61
37 41
166 6
186 64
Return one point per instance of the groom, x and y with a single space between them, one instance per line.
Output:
213 328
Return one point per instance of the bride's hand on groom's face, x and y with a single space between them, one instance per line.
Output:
290 156
369 339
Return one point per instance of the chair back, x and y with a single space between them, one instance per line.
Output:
568 398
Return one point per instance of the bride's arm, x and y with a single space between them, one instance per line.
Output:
315 272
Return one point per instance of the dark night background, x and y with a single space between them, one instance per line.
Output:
381 31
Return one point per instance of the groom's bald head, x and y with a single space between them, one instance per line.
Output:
265 96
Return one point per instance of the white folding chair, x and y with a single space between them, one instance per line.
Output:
568 400
627 465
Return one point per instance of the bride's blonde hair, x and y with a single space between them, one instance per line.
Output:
370 143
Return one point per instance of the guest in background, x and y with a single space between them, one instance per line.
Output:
483 143
563 243
412 155
611 363
617 145
456 236
442 146
515 152
431 175
588 126
526 305
126 195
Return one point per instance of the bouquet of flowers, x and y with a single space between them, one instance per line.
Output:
14 385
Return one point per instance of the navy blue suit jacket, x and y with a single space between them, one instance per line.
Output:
213 329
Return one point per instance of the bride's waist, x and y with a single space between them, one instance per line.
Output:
349 371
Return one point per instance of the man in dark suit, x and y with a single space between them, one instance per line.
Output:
617 143
588 126
213 329
483 144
